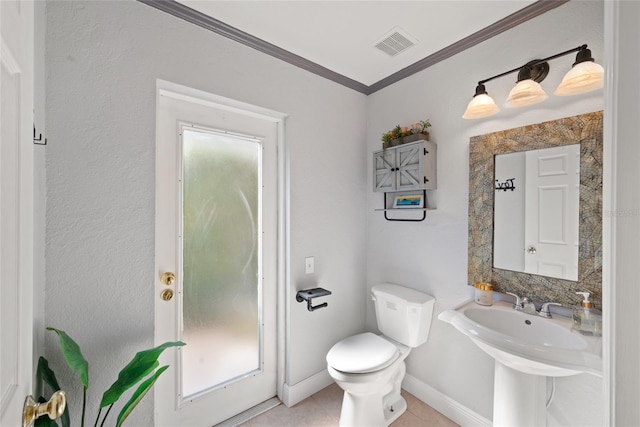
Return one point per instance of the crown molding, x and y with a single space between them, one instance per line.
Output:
198 18
193 16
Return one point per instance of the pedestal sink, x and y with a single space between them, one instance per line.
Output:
526 349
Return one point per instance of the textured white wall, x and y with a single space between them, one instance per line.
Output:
102 62
39 179
432 255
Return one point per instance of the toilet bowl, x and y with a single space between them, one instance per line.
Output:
370 368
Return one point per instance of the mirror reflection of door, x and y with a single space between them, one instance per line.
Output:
536 223
552 200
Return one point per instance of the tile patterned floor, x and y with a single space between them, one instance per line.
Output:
323 410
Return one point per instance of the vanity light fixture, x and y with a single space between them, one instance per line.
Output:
584 76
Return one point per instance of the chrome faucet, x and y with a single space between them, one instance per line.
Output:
544 310
527 306
518 306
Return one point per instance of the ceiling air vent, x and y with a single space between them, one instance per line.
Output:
396 41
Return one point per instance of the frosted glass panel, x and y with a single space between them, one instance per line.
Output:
221 259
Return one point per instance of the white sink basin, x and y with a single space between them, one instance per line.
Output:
527 343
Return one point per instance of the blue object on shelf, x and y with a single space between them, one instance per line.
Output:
308 294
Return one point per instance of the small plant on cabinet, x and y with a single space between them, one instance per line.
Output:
402 134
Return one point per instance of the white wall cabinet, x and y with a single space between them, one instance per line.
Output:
405 167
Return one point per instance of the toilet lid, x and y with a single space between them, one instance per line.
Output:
362 353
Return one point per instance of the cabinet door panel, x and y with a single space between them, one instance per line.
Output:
405 167
409 164
384 175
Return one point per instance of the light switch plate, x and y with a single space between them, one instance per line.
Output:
309 265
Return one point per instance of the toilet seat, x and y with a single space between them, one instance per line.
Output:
362 353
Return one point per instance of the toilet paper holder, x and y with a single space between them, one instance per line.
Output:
308 294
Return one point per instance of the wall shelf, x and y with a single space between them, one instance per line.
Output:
404 209
404 173
390 200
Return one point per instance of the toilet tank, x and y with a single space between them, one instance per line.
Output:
403 314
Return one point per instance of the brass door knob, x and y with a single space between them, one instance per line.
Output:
54 408
167 278
166 295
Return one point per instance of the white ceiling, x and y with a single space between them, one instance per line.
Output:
340 35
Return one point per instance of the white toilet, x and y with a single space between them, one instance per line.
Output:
370 368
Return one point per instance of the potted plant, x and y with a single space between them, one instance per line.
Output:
403 135
142 370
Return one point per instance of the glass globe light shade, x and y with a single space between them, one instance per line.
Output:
583 77
480 106
526 92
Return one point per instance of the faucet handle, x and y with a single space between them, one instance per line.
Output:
544 310
518 304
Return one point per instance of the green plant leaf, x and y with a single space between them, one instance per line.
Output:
44 422
140 366
138 395
73 356
44 373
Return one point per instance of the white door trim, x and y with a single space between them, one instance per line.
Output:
621 222
610 134
178 91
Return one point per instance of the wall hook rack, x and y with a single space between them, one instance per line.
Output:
308 294
38 140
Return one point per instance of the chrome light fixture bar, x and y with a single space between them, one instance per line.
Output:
584 76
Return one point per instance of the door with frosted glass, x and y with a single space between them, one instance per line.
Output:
215 260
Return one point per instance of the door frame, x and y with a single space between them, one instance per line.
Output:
283 223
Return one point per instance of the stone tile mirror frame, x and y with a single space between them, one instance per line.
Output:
585 129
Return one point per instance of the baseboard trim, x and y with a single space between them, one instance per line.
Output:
450 408
296 393
250 413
